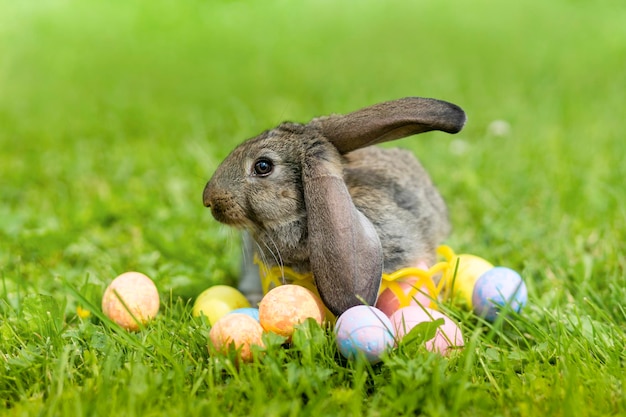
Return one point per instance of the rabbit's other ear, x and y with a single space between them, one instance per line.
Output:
388 121
345 252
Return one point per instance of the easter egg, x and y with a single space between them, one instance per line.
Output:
248 311
237 331
218 301
364 330
389 302
131 299
448 335
286 306
496 288
460 280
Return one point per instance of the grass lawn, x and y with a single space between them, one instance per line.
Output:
113 115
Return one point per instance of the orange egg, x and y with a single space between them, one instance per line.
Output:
130 300
286 306
237 331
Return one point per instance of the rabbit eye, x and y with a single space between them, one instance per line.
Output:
263 167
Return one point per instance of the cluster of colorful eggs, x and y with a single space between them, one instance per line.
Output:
466 281
236 325
473 283
361 330
368 332
131 301
408 298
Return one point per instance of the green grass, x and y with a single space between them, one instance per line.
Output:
113 115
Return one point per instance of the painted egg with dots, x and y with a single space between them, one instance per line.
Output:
131 300
238 332
364 331
248 311
284 307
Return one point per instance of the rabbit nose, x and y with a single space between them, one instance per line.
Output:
206 196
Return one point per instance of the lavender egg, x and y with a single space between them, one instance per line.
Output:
364 330
497 288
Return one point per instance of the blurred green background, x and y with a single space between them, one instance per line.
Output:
113 115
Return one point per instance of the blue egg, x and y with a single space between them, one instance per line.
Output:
496 288
248 311
364 330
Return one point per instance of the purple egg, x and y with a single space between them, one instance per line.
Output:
364 330
497 288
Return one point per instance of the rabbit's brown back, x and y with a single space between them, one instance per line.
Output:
392 189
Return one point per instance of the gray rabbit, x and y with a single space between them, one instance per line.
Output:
318 198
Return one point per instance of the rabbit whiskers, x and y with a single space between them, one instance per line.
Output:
275 254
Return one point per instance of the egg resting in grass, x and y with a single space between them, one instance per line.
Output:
388 302
448 335
460 281
237 331
286 306
497 288
364 330
217 301
249 311
140 300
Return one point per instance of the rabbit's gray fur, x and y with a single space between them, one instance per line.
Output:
388 186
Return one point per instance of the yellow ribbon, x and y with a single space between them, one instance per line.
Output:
276 275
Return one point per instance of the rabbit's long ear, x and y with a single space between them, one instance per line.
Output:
345 252
388 121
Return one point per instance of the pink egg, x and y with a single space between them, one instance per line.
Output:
447 338
131 299
286 306
237 331
388 302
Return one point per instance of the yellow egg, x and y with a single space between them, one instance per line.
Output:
217 301
286 306
460 287
237 331
131 299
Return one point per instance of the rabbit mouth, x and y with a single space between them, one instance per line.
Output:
230 215
234 221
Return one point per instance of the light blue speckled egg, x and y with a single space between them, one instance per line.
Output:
496 288
364 329
248 311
